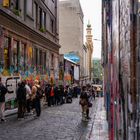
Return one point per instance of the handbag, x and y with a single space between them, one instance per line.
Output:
82 102
89 104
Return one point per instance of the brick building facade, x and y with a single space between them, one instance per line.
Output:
29 41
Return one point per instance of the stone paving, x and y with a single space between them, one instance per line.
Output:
58 123
99 131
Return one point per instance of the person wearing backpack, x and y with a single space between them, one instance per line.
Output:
37 95
3 91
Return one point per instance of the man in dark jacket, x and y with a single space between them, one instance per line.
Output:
47 94
21 100
3 91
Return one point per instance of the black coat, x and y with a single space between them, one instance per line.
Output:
21 93
3 91
84 96
47 91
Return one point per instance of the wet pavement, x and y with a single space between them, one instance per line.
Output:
61 122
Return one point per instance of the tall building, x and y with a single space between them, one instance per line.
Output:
89 46
71 29
29 41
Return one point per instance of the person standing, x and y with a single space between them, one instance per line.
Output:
56 94
52 95
47 93
21 100
3 91
28 97
36 96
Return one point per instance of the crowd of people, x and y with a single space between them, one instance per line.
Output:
29 97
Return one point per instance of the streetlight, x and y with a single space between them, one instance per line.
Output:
97 39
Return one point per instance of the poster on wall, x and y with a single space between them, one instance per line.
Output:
11 84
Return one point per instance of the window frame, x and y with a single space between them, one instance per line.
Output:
29 11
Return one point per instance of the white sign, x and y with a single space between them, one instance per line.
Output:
11 84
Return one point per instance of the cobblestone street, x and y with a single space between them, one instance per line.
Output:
58 123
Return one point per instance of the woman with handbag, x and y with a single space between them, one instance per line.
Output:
84 104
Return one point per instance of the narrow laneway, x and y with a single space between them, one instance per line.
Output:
58 123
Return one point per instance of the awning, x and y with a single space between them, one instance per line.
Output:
73 57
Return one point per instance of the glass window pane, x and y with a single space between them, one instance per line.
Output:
22 56
15 55
29 6
6 52
29 56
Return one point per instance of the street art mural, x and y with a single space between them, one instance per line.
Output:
22 60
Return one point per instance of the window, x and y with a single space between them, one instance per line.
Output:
40 57
6 52
45 57
40 18
35 14
52 60
36 57
15 4
52 25
41 61
29 7
29 56
23 57
15 55
44 20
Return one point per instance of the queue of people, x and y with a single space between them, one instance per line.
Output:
29 98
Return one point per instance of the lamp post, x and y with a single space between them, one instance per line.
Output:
97 39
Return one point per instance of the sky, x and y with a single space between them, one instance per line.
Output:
92 13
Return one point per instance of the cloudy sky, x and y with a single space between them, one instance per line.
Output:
92 12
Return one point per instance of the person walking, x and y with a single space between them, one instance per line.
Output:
84 102
3 91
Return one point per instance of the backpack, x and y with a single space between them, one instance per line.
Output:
21 93
39 93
